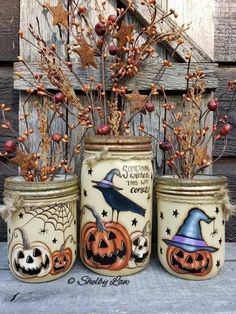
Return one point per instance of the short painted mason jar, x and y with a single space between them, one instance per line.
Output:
116 204
42 227
191 225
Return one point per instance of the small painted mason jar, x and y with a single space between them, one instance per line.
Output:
116 204
42 227
191 225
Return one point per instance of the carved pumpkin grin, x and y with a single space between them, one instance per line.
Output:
32 271
105 259
203 268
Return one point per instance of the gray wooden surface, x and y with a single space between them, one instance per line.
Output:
151 291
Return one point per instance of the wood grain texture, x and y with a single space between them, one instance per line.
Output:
225 26
227 167
173 78
30 11
9 26
228 105
151 291
201 16
198 54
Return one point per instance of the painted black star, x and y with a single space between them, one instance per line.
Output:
21 216
218 264
161 250
85 193
168 231
90 171
161 215
175 213
54 240
104 213
217 210
134 222
220 241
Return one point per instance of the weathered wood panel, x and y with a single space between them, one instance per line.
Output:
151 291
201 16
225 30
173 78
226 73
198 54
9 26
9 97
227 167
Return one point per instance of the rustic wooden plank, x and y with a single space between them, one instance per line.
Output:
29 11
227 167
152 291
198 54
173 78
9 97
224 74
9 25
201 16
225 35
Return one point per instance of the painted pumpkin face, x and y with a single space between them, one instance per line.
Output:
107 249
198 263
61 261
30 262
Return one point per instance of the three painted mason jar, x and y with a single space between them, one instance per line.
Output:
42 227
191 225
116 204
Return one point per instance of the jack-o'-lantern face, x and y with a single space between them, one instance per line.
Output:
30 262
61 261
198 263
107 249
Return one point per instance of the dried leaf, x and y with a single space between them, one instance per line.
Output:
124 34
60 15
137 100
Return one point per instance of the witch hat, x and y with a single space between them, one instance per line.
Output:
189 236
107 182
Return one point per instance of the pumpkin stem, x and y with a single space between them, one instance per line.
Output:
145 228
25 239
99 223
64 244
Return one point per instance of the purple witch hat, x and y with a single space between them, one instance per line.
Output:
189 236
107 182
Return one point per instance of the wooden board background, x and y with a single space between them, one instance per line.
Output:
222 45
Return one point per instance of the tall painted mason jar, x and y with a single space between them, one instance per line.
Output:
116 204
42 227
191 225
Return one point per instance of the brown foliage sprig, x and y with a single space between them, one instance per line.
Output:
190 129
115 50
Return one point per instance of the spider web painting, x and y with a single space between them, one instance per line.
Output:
60 216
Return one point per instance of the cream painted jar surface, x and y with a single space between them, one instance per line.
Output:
42 227
191 225
116 204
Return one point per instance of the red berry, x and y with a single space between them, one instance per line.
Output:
56 137
113 50
9 146
100 29
150 107
58 97
103 130
165 146
213 105
112 18
226 129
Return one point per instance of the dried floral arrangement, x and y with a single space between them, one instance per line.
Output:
113 46
194 126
